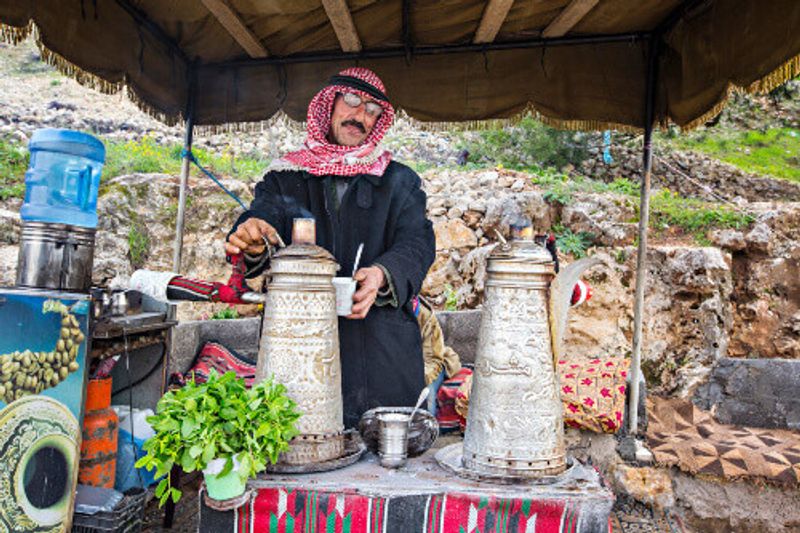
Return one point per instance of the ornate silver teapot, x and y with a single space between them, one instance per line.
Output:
300 348
515 420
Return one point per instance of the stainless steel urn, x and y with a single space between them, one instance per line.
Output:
515 420
55 256
300 348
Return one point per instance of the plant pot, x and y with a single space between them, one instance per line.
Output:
224 487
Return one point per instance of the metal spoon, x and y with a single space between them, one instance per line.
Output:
358 258
423 395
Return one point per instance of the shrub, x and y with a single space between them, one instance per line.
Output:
138 245
224 314
573 243
528 144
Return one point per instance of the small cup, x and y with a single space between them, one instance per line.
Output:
392 439
345 288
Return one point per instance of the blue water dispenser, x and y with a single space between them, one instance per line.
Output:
63 178
59 215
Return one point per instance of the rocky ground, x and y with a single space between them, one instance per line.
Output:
725 292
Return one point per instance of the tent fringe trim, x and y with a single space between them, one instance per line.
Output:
785 72
529 110
471 125
259 126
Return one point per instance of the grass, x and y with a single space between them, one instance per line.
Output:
774 152
560 187
128 157
13 164
694 217
138 245
667 209
450 298
148 156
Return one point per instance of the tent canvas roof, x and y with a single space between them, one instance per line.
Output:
578 63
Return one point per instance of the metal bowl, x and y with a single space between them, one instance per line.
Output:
422 433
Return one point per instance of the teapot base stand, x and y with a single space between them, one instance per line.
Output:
354 448
451 458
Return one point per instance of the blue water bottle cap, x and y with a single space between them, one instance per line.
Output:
68 142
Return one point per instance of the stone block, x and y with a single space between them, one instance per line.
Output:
754 392
651 486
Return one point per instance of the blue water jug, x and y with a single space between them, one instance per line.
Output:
63 177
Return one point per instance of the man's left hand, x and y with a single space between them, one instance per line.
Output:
369 279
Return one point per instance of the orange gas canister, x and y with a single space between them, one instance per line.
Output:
99 447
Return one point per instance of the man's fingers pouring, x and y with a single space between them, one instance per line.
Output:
266 230
249 237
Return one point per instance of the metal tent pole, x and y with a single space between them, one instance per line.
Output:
644 216
177 248
177 251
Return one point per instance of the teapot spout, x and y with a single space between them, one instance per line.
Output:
560 295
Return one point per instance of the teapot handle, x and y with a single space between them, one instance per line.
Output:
560 300
237 283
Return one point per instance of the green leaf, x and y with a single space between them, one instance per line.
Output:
187 427
162 486
228 413
208 452
227 468
246 464
144 462
220 418
176 494
187 461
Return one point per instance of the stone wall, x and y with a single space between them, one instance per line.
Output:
710 179
766 293
740 297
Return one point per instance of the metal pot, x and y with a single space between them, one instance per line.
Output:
55 256
300 348
515 425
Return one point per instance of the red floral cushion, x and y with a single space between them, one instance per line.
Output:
593 392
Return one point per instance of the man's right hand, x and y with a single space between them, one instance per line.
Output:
249 237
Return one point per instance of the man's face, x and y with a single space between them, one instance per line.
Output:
350 126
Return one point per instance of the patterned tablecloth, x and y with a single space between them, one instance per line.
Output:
420 498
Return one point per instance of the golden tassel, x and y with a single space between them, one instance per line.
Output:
787 71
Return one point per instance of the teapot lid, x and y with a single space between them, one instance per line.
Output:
303 251
521 249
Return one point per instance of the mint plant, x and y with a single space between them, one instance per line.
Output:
220 418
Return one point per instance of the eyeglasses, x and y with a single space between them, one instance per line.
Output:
372 108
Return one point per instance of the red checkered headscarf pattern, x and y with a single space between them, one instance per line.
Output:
319 157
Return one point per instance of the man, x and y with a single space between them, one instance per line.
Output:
357 194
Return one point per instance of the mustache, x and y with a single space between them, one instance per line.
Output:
357 124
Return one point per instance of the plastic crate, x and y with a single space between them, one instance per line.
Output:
125 518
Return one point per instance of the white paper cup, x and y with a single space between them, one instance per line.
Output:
345 288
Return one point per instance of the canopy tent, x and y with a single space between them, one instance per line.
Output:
624 64
579 63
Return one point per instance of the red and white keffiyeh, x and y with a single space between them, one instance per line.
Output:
319 157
